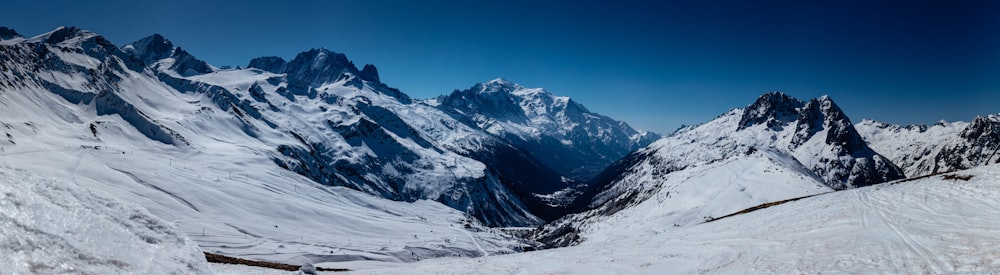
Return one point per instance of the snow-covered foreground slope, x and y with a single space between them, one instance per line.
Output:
50 225
929 225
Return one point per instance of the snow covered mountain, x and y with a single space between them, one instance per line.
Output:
157 52
313 160
797 148
235 142
558 131
943 147
235 155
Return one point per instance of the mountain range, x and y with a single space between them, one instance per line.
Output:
230 139
315 160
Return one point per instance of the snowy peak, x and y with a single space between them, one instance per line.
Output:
320 66
499 85
150 49
158 52
777 110
80 41
316 67
555 129
63 34
7 33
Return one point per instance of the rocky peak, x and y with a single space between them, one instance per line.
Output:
187 65
7 33
62 34
150 49
320 66
272 64
982 129
840 129
775 109
369 73
154 48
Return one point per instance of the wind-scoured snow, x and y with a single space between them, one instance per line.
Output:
932 225
50 225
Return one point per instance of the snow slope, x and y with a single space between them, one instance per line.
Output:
687 197
930 225
51 225
77 107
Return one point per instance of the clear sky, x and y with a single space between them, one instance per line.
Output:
653 64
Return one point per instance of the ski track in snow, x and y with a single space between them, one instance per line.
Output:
157 188
474 241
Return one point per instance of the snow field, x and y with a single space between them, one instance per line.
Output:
51 225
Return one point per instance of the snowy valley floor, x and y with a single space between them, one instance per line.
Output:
929 225
940 224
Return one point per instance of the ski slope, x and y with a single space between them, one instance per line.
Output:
929 225
75 110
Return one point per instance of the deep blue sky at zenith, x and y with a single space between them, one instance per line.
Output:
654 64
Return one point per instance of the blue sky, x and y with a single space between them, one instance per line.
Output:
654 64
